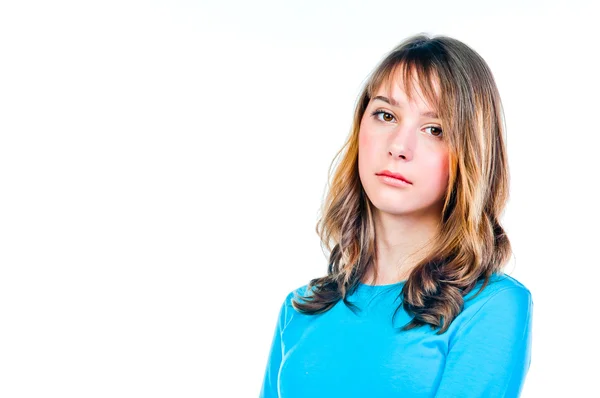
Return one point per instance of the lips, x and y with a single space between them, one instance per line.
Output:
394 175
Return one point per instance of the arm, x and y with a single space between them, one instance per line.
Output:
490 354
269 387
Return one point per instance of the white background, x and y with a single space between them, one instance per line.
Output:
162 164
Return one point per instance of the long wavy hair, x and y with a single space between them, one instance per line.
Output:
470 245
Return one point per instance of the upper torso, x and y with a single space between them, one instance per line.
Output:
343 354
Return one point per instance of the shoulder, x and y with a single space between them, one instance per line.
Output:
288 311
500 285
296 293
502 280
504 301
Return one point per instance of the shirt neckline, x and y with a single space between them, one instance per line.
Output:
380 287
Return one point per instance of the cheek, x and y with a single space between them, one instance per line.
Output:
365 144
367 139
366 147
435 170
363 136
444 170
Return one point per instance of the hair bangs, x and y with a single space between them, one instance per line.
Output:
412 71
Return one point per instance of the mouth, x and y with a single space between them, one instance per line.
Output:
392 175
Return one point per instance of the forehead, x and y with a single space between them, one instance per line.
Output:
408 85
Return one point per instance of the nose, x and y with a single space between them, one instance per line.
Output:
403 142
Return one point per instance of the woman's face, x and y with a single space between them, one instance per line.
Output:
401 137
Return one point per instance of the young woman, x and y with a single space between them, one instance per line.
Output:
415 302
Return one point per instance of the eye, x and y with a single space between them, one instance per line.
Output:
439 133
386 116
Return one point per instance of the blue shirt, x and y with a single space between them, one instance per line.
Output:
486 352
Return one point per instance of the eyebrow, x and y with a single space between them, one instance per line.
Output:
393 102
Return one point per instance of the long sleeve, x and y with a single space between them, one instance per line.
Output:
490 354
269 387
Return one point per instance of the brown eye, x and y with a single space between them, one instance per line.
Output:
438 130
387 117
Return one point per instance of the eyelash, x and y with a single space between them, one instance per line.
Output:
379 112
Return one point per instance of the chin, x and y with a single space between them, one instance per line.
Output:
397 208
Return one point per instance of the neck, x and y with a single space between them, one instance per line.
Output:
401 241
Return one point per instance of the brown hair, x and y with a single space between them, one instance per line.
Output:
471 244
